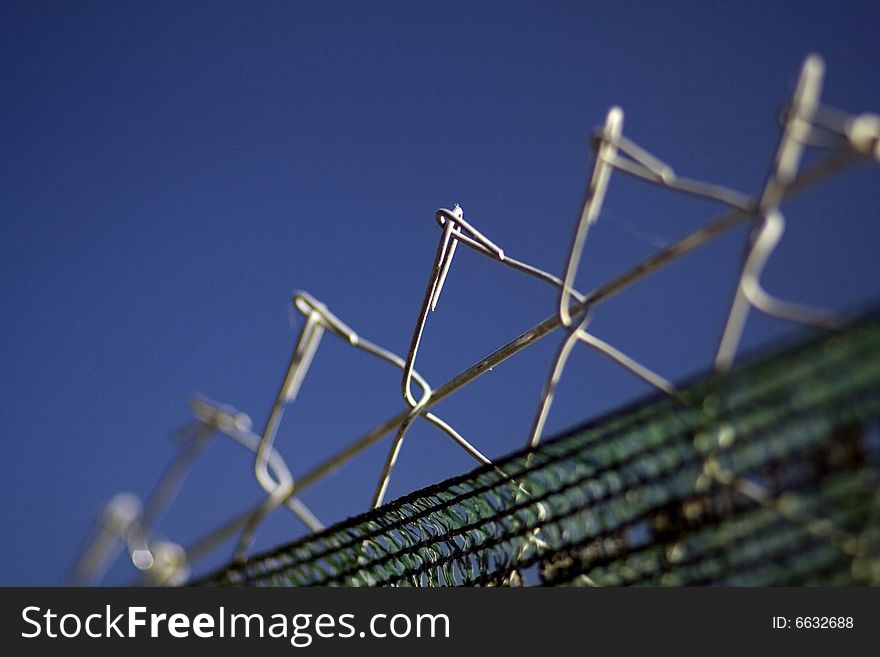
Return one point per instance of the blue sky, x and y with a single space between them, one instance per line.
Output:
171 172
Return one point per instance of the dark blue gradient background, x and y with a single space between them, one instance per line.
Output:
171 172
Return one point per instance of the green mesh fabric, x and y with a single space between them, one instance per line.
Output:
768 475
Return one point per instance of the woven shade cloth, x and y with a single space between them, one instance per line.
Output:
766 475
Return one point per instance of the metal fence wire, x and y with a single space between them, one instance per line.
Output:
767 474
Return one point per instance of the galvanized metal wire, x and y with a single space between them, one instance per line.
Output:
843 139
